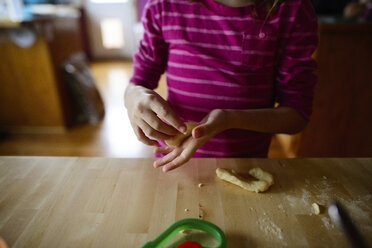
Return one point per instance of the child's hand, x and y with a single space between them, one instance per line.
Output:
146 109
214 123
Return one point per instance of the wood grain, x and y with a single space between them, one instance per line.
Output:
33 93
107 202
342 114
29 96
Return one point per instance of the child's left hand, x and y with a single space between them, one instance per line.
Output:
214 123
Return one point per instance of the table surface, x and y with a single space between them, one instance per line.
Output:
110 202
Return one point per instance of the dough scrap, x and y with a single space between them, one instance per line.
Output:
179 138
316 208
265 179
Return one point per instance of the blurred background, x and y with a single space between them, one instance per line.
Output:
64 65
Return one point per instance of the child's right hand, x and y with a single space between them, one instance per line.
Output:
146 110
215 122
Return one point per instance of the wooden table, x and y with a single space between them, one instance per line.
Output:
106 202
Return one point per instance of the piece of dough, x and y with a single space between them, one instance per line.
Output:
179 138
265 179
316 208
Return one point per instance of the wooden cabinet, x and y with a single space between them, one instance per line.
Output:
341 124
33 94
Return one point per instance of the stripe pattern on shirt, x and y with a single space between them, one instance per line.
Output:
216 57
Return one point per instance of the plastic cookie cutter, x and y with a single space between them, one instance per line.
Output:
190 233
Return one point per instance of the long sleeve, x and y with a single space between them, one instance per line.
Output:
295 78
150 60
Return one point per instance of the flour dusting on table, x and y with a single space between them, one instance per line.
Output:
270 229
327 223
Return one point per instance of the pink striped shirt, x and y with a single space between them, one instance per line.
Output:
220 57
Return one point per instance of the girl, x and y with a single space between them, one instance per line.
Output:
227 63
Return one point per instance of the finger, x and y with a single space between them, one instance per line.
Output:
143 138
153 120
163 110
191 146
163 149
149 131
167 158
197 132
177 162
201 130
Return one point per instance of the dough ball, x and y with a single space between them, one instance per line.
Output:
179 138
316 208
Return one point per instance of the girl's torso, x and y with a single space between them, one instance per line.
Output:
222 57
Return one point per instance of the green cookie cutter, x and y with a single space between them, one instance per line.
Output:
188 224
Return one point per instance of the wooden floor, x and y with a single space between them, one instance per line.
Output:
112 137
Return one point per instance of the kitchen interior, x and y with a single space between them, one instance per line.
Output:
64 65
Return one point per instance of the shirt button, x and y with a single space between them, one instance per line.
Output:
261 35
